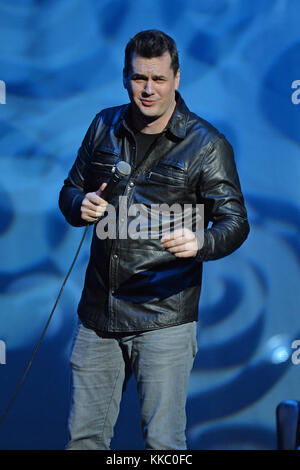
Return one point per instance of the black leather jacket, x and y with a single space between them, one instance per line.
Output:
135 284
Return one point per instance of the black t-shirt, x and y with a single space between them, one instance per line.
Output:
143 142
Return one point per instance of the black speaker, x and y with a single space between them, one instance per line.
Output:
288 425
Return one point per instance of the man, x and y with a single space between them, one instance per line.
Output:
139 305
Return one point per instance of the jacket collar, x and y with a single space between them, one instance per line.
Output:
177 124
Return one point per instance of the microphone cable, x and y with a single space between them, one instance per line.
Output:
45 328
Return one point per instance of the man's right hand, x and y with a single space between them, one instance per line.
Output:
93 206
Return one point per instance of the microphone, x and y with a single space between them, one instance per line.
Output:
120 171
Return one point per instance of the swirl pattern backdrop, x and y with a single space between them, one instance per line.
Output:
61 62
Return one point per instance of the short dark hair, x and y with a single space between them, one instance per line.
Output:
151 43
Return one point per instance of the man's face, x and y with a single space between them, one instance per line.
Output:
151 85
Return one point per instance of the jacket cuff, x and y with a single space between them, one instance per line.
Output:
200 256
75 211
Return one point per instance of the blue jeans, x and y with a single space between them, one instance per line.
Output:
161 361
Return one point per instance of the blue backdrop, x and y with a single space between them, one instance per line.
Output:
61 62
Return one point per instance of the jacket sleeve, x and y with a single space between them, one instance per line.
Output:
220 191
72 192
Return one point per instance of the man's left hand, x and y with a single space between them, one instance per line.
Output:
182 243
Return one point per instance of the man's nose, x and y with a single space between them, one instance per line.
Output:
148 87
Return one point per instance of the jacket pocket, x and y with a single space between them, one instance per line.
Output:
169 173
104 159
100 169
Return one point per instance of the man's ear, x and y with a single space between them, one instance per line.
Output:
177 79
